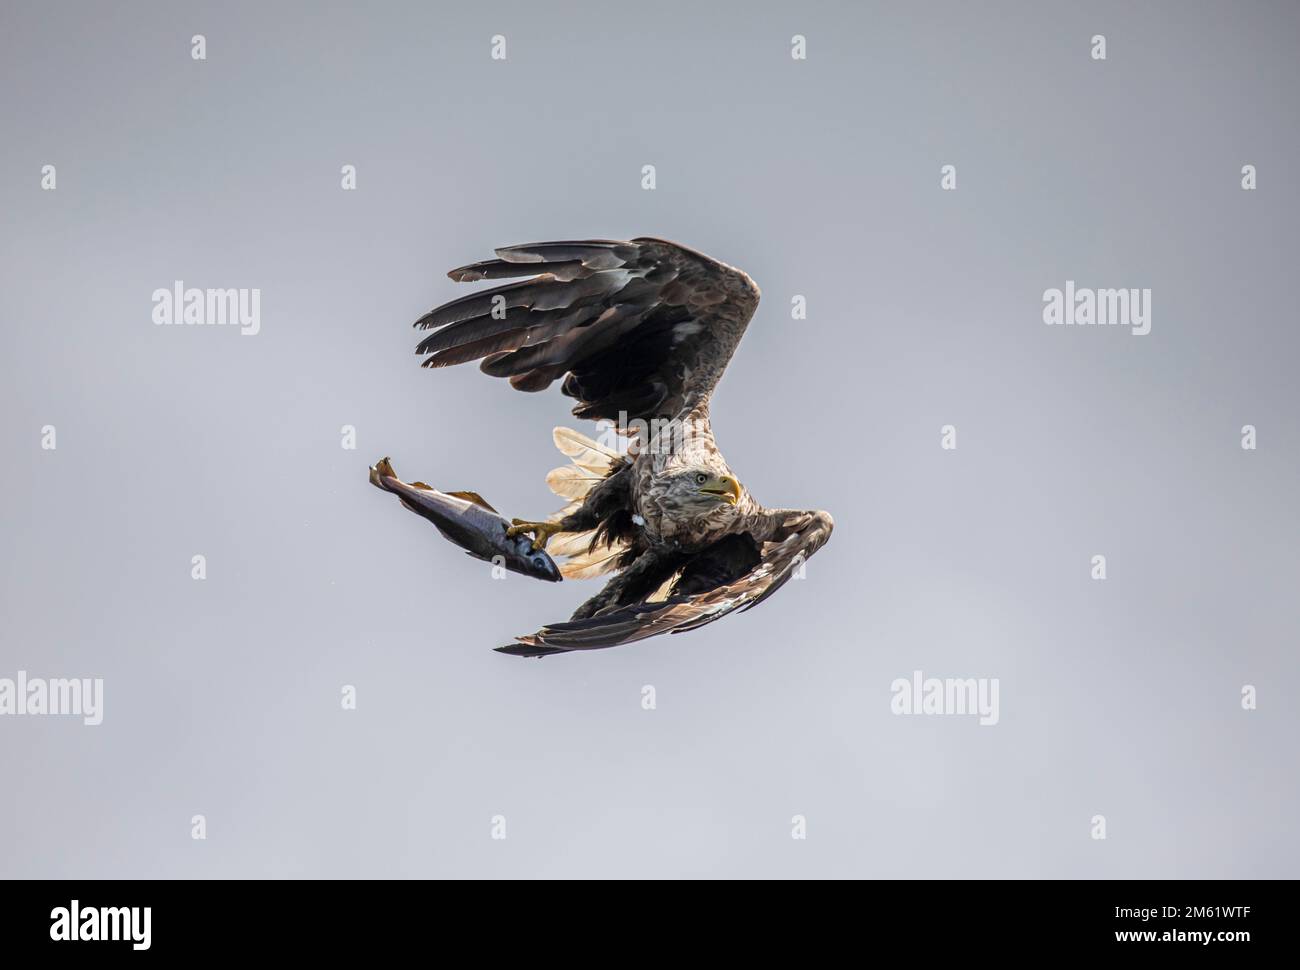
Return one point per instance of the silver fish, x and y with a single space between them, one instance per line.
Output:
465 519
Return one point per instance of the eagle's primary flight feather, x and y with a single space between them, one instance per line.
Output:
639 332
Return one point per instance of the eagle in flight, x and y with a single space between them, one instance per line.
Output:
639 332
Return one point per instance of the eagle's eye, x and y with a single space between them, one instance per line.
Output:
701 478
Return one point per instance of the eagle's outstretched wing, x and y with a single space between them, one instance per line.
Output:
641 328
796 537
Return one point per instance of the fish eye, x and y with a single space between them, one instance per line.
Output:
701 478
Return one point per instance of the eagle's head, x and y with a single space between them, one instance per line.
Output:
699 485
692 485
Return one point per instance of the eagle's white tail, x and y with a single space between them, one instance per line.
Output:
592 462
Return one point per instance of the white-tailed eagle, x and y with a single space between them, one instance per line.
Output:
639 332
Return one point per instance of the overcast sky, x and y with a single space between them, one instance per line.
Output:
820 177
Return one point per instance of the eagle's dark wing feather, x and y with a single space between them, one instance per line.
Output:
637 329
697 597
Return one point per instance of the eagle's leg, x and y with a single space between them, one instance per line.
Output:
612 493
646 574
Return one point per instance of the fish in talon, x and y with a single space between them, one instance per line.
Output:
468 521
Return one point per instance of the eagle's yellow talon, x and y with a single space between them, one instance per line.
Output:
542 531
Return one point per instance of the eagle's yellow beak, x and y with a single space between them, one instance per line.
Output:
724 487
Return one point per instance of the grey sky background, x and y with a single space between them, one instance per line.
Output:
819 178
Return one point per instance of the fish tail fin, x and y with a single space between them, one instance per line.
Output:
379 471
